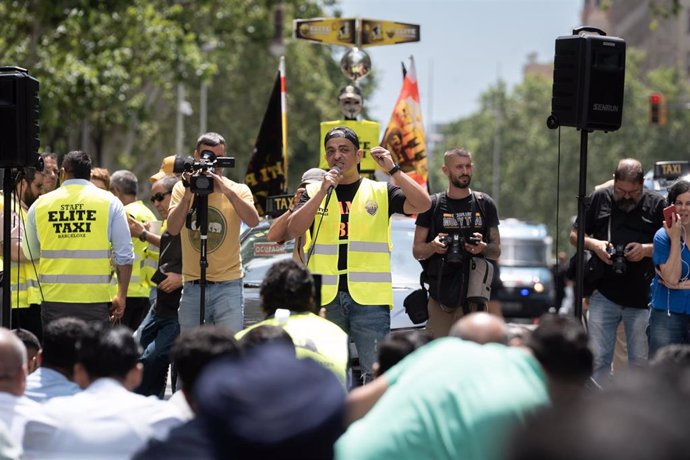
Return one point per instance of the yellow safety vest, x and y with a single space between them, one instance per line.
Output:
316 338
72 225
20 279
140 283
368 246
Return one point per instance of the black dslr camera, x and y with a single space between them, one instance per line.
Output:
200 183
456 247
617 254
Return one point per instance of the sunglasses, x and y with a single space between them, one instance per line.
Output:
159 197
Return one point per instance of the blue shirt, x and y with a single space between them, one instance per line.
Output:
118 230
45 383
663 298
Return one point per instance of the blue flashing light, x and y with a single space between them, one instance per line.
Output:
524 292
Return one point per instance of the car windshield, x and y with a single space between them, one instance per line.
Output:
518 252
258 254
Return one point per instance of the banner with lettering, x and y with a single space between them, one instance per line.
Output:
404 136
267 170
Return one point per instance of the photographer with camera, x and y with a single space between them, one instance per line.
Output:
460 226
619 225
228 204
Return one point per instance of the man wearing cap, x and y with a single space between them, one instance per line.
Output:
229 205
278 231
351 238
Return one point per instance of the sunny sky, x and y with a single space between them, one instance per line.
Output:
466 45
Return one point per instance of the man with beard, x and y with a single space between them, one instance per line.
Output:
619 225
50 172
471 219
25 311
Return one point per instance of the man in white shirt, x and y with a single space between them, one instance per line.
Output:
15 409
55 376
106 420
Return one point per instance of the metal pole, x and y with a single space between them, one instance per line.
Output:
497 147
203 104
582 190
6 310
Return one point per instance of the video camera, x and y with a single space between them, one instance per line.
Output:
200 182
455 243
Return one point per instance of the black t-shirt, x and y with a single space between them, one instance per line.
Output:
345 193
639 225
169 261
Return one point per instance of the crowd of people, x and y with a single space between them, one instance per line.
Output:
106 296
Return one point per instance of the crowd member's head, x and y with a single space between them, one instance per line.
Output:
396 346
560 345
627 184
480 327
212 142
100 177
60 338
167 169
12 363
287 285
677 355
161 191
50 172
76 165
33 348
269 404
457 166
264 334
29 184
105 352
643 416
123 184
193 350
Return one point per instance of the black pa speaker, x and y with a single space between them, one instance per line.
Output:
19 140
588 81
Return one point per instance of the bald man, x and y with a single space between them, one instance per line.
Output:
481 328
15 408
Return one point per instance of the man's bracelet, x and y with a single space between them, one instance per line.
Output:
394 169
142 237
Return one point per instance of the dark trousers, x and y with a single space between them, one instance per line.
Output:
88 312
135 312
29 319
157 336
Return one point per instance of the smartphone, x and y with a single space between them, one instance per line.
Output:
669 211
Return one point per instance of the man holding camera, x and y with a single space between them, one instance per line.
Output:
619 225
460 225
229 204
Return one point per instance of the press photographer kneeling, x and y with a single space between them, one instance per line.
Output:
454 241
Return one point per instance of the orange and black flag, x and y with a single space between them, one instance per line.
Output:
404 136
267 171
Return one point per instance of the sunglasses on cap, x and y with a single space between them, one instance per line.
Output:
159 196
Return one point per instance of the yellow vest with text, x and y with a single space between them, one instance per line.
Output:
316 338
72 225
368 246
145 260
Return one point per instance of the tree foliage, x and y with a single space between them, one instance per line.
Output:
539 176
109 71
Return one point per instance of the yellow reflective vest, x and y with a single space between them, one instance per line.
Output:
72 226
22 276
368 246
314 337
140 283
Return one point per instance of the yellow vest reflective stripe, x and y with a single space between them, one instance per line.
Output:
20 282
368 246
140 283
316 338
72 225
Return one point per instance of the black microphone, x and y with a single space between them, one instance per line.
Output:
329 192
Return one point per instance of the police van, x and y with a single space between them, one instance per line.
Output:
528 288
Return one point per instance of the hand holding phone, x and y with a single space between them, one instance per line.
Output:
669 212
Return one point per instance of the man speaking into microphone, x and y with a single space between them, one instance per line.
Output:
350 244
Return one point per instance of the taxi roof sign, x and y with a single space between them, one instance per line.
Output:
671 169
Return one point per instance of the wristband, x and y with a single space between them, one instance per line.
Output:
394 169
142 237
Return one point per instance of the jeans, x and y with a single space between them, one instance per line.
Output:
157 336
366 325
665 329
224 305
604 317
